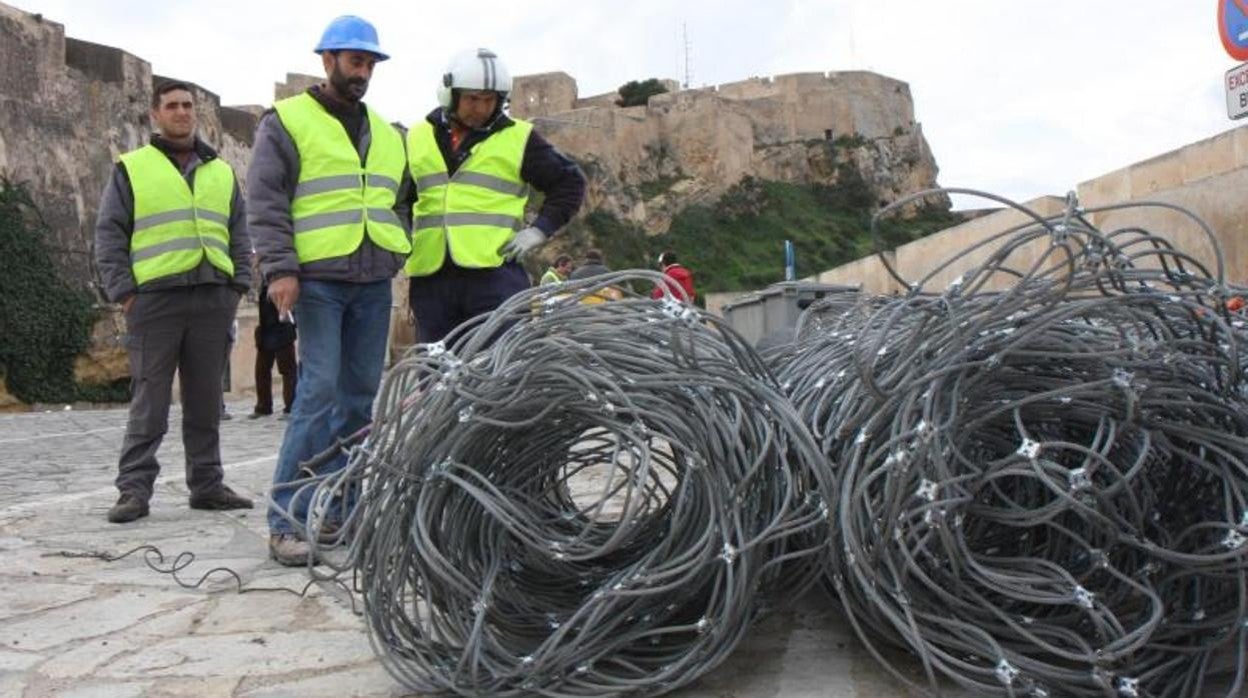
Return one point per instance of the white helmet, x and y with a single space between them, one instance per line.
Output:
476 69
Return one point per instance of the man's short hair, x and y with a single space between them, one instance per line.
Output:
166 87
593 255
667 257
562 260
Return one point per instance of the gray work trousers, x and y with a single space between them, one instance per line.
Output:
184 329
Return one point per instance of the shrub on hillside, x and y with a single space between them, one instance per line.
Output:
636 94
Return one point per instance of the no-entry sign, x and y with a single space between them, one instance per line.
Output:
1233 26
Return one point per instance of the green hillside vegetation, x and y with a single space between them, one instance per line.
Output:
636 93
737 244
44 322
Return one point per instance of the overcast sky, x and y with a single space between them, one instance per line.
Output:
1019 98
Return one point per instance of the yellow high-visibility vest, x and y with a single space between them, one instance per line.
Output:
337 200
474 212
177 225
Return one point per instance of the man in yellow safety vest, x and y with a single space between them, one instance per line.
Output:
472 167
330 228
171 245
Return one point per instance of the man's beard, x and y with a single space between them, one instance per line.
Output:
351 89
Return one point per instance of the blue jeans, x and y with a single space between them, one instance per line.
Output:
343 328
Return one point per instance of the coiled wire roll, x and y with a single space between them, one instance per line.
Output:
576 497
1042 489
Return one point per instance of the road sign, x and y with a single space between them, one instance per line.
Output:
1233 26
1237 92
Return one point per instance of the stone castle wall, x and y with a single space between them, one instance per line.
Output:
691 146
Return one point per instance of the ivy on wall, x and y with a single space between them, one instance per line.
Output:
44 323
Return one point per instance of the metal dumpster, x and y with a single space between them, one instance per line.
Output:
773 311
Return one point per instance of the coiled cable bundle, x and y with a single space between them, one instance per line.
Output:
1042 484
577 498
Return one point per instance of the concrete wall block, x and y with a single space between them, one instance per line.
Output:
1110 188
1208 158
1239 146
1156 174
867 273
937 260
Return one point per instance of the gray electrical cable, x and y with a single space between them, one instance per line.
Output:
1042 469
570 497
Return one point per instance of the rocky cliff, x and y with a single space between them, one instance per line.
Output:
646 163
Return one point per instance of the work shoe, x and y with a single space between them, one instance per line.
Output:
220 500
257 414
288 550
128 508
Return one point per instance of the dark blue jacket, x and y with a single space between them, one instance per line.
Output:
543 167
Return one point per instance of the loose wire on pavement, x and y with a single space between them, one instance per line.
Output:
156 561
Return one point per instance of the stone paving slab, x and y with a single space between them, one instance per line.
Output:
72 626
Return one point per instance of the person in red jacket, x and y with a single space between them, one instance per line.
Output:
680 277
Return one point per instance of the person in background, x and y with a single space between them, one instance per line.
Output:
275 343
171 245
681 278
592 264
230 339
558 273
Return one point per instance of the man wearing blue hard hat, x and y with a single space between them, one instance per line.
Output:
330 228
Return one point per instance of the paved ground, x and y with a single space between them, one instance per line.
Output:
82 627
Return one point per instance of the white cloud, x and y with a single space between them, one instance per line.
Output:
1022 99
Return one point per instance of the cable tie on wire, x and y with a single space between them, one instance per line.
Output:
1029 449
1084 598
1127 687
927 490
1079 479
1006 673
1233 539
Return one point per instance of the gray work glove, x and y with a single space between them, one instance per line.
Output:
522 243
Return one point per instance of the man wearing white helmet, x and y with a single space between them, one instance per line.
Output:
472 167
329 223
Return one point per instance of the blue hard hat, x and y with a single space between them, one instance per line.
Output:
349 32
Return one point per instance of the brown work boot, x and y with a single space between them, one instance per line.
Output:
288 550
128 508
220 499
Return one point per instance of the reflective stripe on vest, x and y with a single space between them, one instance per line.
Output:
473 213
177 225
336 199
